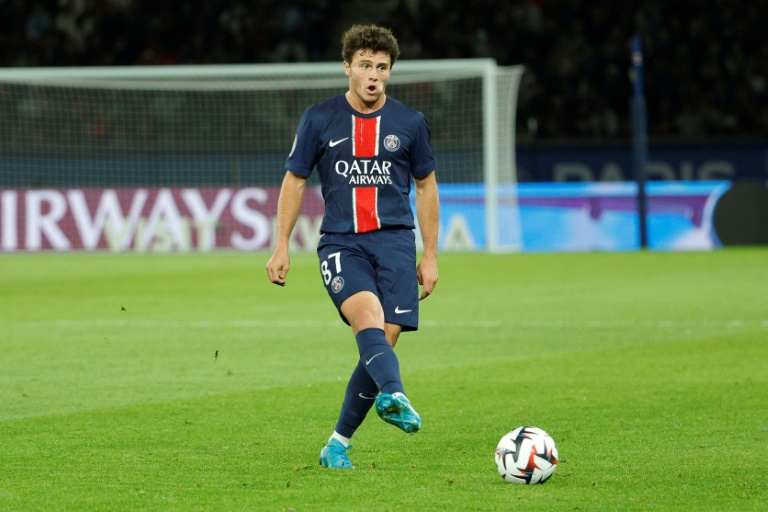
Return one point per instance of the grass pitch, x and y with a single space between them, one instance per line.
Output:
189 382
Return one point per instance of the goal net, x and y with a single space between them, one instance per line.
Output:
181 158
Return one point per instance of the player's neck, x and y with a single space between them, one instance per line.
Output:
365 107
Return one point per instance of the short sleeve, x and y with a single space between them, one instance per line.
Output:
422 158
305 151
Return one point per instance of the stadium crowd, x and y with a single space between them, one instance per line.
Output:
706 61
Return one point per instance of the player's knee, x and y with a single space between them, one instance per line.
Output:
363 311
366 319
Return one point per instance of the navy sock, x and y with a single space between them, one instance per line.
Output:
379 360
358 399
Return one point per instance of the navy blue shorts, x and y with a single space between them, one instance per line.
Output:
382 262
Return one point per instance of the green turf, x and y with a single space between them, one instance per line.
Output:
650 370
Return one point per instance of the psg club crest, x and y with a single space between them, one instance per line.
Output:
391 143
337 284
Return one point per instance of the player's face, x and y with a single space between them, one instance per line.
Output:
368 75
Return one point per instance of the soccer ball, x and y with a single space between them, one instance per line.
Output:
526 455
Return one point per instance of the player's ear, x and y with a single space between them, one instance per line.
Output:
347 69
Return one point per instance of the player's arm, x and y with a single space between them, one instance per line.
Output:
288 206
428 212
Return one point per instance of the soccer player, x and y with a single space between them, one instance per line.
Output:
368 149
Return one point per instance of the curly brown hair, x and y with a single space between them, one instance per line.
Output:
369 37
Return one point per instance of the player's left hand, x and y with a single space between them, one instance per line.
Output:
426 272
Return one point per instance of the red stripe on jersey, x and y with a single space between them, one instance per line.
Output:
365 139
365 204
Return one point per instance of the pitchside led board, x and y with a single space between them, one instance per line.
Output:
693 215
551 217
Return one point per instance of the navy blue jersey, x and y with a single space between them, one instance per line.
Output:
366 162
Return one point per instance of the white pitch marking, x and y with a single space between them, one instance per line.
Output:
474 324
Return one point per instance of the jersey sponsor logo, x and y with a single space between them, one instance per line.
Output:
337 142
337 283
401 311
365 172
391 143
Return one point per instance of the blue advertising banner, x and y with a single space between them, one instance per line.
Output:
588 216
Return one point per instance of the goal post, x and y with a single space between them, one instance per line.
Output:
503 226
191 157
